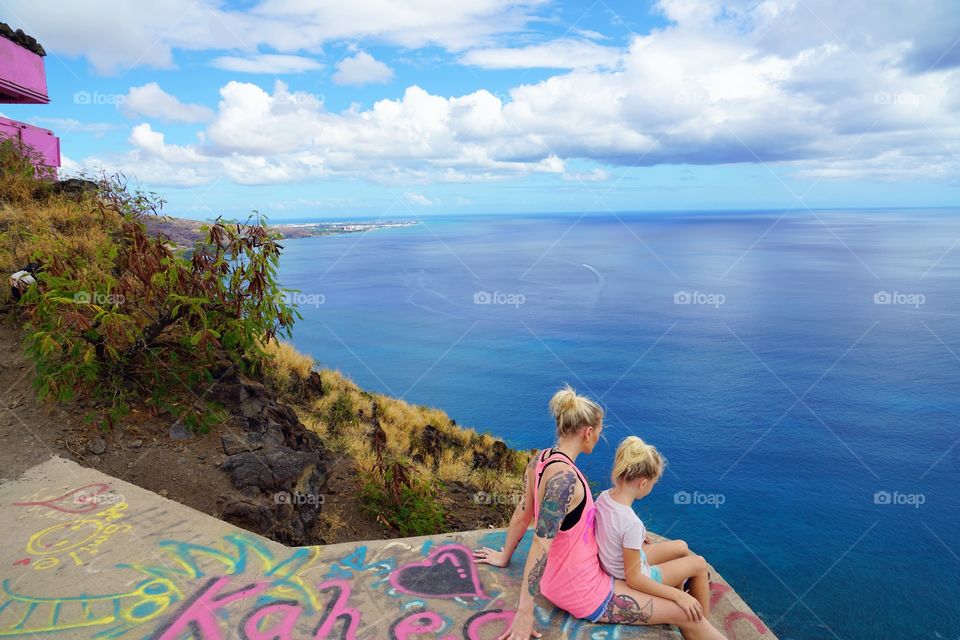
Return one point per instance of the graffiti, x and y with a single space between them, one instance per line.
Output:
717 592
416 623
485 624
254 626
238 553
491 623
448 572
338 611
22 614
475 626
179 564
170 583
356 561
85 499
549 617
202 613
199 614
75 539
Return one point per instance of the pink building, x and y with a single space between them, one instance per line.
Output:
23 80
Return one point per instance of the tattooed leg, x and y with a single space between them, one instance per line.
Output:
623 609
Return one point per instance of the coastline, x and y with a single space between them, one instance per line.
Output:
184 233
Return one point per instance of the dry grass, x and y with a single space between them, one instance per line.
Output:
34 220
58 226
288 364
402 422
329 523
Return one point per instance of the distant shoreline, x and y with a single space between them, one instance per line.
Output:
314 229
185 233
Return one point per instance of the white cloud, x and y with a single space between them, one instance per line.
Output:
151 143
557 54
800 84
267 63
420 137
65 126
69 168
362 69
596 175
419 199
146 33
153 102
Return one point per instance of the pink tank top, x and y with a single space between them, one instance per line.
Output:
573 579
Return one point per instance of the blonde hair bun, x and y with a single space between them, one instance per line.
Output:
637 459
573 412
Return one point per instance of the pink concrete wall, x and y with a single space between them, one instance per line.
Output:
40 140
22 77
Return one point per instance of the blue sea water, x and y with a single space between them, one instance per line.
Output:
806 398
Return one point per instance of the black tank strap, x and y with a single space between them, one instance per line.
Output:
572 518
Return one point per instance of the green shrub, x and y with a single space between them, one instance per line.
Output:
341 413
415 509
130 318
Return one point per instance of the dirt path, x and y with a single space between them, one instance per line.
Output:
24 441
141 452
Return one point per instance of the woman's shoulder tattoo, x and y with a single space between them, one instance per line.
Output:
557 495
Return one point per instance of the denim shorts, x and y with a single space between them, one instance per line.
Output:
593 617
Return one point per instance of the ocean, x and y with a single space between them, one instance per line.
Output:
799 370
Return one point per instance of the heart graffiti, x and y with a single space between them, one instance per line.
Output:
448 572
82 500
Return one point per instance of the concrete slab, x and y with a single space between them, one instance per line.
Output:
85 555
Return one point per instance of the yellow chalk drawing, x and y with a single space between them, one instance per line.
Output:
238 553
23 614
184 565
63 537
75 538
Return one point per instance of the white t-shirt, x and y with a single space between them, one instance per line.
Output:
618 527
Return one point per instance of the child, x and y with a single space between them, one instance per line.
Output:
625 552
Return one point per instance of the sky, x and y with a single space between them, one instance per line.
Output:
399 109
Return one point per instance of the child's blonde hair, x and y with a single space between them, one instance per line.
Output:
572 412
637 459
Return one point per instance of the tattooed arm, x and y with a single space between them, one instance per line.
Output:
519 522
560 493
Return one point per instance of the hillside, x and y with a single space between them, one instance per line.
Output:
168 370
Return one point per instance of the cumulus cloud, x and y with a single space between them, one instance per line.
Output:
800 84
147 33
267 63
152 143
152 160
362 69
153 102
558 54
417 136
418 198
69 167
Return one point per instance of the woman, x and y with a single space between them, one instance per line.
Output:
563 563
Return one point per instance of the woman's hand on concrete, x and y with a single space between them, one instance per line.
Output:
486 555
521 628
